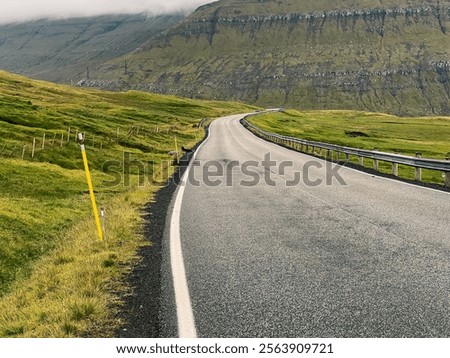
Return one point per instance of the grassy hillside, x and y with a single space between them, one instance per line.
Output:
56 278
392 134
60 50
384 56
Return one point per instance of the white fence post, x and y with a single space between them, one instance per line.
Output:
34 147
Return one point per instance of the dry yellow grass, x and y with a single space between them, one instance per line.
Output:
72 290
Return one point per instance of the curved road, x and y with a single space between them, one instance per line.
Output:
359 256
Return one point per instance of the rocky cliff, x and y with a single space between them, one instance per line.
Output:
391 56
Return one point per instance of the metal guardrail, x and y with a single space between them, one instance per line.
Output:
307 146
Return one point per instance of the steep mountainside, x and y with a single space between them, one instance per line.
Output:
62 50
381 55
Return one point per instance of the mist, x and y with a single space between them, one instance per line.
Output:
25 10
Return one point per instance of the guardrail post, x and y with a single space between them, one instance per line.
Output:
447 177
419 170
376 156
395 169
375 164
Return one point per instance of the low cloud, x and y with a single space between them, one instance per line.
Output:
25 10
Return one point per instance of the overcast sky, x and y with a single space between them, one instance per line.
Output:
22 10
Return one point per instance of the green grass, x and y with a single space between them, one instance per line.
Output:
364 130
56 279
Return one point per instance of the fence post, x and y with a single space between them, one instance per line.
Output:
62 139
361 161
395 169
419 170
68 135
34 147
54 139
103 218
23 151
43 142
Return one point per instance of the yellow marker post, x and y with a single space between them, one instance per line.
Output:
176 151
91 188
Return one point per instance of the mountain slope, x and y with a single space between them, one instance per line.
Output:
389 56
61 50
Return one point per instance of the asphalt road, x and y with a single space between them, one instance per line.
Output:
359 256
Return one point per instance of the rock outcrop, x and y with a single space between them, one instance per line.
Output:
378 57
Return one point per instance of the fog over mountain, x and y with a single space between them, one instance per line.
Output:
25 10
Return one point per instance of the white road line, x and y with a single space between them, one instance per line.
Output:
185 315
